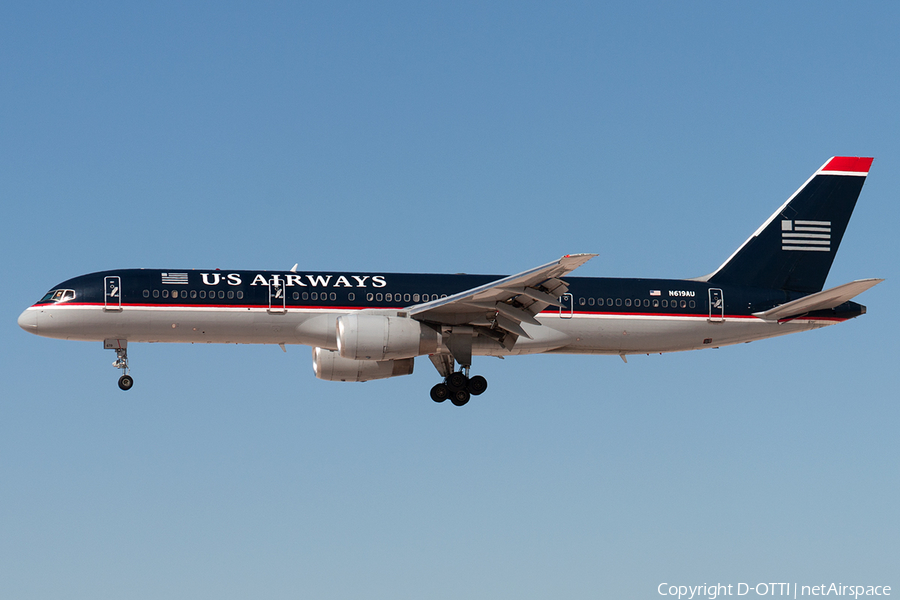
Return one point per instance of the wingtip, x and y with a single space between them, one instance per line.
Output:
584 257
573 261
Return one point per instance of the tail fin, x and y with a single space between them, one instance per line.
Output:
794 248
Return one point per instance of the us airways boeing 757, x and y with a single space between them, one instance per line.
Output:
365 326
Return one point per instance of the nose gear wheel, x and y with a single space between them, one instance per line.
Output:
126 381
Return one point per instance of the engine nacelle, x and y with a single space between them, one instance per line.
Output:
330 366
379 337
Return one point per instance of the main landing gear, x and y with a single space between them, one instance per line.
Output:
459 387
126 381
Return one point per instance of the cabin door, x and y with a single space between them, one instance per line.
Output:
277 297
568 306
716 305
112 293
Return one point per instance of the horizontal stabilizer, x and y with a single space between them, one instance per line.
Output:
818 301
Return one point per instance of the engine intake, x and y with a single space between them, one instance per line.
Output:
331 366
379 337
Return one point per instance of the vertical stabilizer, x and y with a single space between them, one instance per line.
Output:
795 247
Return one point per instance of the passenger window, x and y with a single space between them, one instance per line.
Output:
618 302
314 295
599 301
693 304
369 297
581 301
296 295
165 293
305 296
415 297
230 295
193 293
646 303
406 297
351 296
590 301
388 297
156 293
378 297
146 293
221 295
240 294
665 303
627 301
331 296
683 304
656 304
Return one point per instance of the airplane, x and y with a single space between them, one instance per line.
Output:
366 326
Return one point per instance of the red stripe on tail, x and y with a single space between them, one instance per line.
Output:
853 164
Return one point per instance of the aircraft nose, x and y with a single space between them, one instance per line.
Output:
28 320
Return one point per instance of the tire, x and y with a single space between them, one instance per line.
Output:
477 385
459 398
456 381
125 382
440 392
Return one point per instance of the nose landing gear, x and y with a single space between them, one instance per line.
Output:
126 381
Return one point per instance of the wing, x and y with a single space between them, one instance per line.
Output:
498 309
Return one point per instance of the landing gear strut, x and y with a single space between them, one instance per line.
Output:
126 381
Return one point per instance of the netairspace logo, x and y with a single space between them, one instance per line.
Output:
794 590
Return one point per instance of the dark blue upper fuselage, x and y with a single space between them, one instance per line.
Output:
342 291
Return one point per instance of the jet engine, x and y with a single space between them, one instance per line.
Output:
330 366
380 337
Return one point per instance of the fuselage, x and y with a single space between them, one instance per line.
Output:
598 316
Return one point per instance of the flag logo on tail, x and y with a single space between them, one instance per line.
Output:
806 236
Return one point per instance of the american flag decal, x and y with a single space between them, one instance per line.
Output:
175 278
655 293
807 236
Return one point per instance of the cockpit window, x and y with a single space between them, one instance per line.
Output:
58 296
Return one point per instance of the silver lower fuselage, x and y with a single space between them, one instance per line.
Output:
578 334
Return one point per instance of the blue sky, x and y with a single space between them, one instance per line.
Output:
440 138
